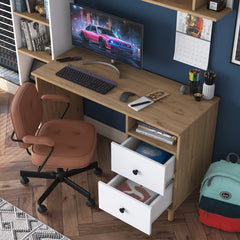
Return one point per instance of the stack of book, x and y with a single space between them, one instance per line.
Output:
155 133
137 191
35 35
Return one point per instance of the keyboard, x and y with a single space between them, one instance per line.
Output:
86 79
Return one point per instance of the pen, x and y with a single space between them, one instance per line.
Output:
67 59
140 103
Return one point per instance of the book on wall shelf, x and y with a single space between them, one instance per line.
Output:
27 36
39 35
137 191
155 133
35 36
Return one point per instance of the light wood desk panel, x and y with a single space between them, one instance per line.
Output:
192 122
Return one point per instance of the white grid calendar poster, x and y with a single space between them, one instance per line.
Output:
193 39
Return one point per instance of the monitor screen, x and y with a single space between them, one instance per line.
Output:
116 38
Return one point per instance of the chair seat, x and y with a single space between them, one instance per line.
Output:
75 143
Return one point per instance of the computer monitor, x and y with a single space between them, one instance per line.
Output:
119 39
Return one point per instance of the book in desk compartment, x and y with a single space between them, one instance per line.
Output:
137 191
155 133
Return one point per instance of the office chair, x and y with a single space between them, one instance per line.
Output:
62 144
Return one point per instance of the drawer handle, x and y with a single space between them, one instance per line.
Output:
122 210
135 172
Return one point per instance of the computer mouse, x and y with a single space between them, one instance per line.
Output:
125 95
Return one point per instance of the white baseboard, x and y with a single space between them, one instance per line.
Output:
107 131
8 86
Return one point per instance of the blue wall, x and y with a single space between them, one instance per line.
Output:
159 40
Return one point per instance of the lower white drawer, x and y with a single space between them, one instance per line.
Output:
129 209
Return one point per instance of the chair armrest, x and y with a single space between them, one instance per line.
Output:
55 98
38 140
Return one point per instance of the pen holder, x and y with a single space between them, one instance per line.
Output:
193 86
208 91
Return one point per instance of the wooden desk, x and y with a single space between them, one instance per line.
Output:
192 122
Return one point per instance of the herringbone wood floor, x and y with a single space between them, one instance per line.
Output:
67 212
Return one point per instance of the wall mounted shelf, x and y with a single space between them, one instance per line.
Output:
195 7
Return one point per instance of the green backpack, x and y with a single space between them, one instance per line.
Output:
222 181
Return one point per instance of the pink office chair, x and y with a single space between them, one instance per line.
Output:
62 144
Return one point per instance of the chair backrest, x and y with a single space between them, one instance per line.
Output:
26 112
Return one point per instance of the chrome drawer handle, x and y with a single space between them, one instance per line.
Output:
122 210
135 172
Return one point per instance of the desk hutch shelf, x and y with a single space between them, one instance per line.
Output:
59 31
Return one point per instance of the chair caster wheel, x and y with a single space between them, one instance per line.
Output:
97 171
90 202
42 208
24 180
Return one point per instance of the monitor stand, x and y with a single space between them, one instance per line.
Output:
111 64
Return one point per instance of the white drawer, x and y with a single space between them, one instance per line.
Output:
140 169
129 209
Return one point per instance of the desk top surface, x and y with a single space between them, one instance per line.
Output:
173 113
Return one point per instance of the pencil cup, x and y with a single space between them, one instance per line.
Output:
193 86
208 91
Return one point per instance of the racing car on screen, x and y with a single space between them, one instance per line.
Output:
105 38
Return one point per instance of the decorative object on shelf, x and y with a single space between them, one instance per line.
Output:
235 58
20 6
40 9
209 85
217 5
30 5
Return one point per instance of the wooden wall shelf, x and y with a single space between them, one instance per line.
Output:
195 7
40 55
33 17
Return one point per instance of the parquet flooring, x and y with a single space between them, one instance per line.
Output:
67 212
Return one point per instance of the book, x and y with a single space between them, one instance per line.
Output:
24 44
38 34
30 5
46 9
154 129
20 5
24 26
153 152
156 136
137 191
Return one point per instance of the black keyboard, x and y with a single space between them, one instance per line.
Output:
86 79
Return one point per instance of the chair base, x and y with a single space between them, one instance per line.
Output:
60 176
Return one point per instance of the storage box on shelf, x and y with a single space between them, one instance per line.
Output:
195 7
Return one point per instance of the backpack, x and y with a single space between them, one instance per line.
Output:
219 202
